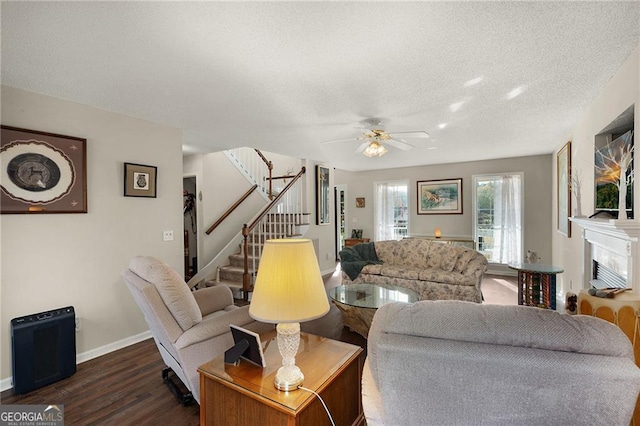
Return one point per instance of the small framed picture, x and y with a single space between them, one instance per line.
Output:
360 202
356 233
250 347
140 180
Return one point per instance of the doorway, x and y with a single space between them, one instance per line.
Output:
190 227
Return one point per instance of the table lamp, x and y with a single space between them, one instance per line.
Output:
288 290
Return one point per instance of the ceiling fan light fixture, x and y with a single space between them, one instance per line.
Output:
374 149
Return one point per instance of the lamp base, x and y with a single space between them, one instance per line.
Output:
288 379
289 376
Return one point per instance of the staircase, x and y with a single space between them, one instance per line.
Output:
281 218
276 225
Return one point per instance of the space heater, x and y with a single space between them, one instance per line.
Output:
43 348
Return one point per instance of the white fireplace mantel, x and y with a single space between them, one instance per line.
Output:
617 236
625 229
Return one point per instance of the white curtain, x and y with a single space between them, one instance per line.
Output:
509 211
387 196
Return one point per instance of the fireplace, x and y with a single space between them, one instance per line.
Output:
611 253
604 277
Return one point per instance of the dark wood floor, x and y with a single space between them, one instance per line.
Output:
124 387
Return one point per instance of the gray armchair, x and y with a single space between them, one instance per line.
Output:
192 327
189 328
461 363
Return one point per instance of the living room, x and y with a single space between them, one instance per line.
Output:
55 260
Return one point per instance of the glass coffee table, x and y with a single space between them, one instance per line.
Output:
359 302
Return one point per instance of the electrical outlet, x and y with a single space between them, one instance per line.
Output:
77 324
167 236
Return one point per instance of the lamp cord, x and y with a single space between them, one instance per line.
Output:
321 400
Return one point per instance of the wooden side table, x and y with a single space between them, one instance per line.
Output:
350 242
245 394
537 284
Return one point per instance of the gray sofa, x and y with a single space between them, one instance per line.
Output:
461 363
435 271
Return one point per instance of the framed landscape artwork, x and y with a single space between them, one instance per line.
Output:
442 196
564 189
42 172
614 165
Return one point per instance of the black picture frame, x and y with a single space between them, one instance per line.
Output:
253 353
140 180
563 166
323 177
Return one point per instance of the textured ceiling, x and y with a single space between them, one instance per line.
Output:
507 78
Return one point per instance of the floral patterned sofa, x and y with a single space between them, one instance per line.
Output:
434 270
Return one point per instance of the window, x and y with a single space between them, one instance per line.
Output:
391 209
497 222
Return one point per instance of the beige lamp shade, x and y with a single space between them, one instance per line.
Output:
289 286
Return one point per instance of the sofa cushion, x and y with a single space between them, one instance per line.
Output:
443 256
412 252
503 325
463 260
372 269
386 251
174 292
440 276
406 272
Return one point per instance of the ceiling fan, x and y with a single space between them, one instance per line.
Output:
374 138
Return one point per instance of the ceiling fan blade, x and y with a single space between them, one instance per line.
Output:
418 134
399 144
361 147
341 140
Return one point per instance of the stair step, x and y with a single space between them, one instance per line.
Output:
238 260
230 284
232 273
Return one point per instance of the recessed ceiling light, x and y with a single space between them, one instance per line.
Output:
456 106
515 92
432 147
442 125
474 81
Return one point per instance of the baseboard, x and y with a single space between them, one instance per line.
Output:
94 353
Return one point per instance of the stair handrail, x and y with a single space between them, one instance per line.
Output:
247 229
251 166
270 167
264 212
231 209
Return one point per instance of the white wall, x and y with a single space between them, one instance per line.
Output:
622 91
537 198
52 261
